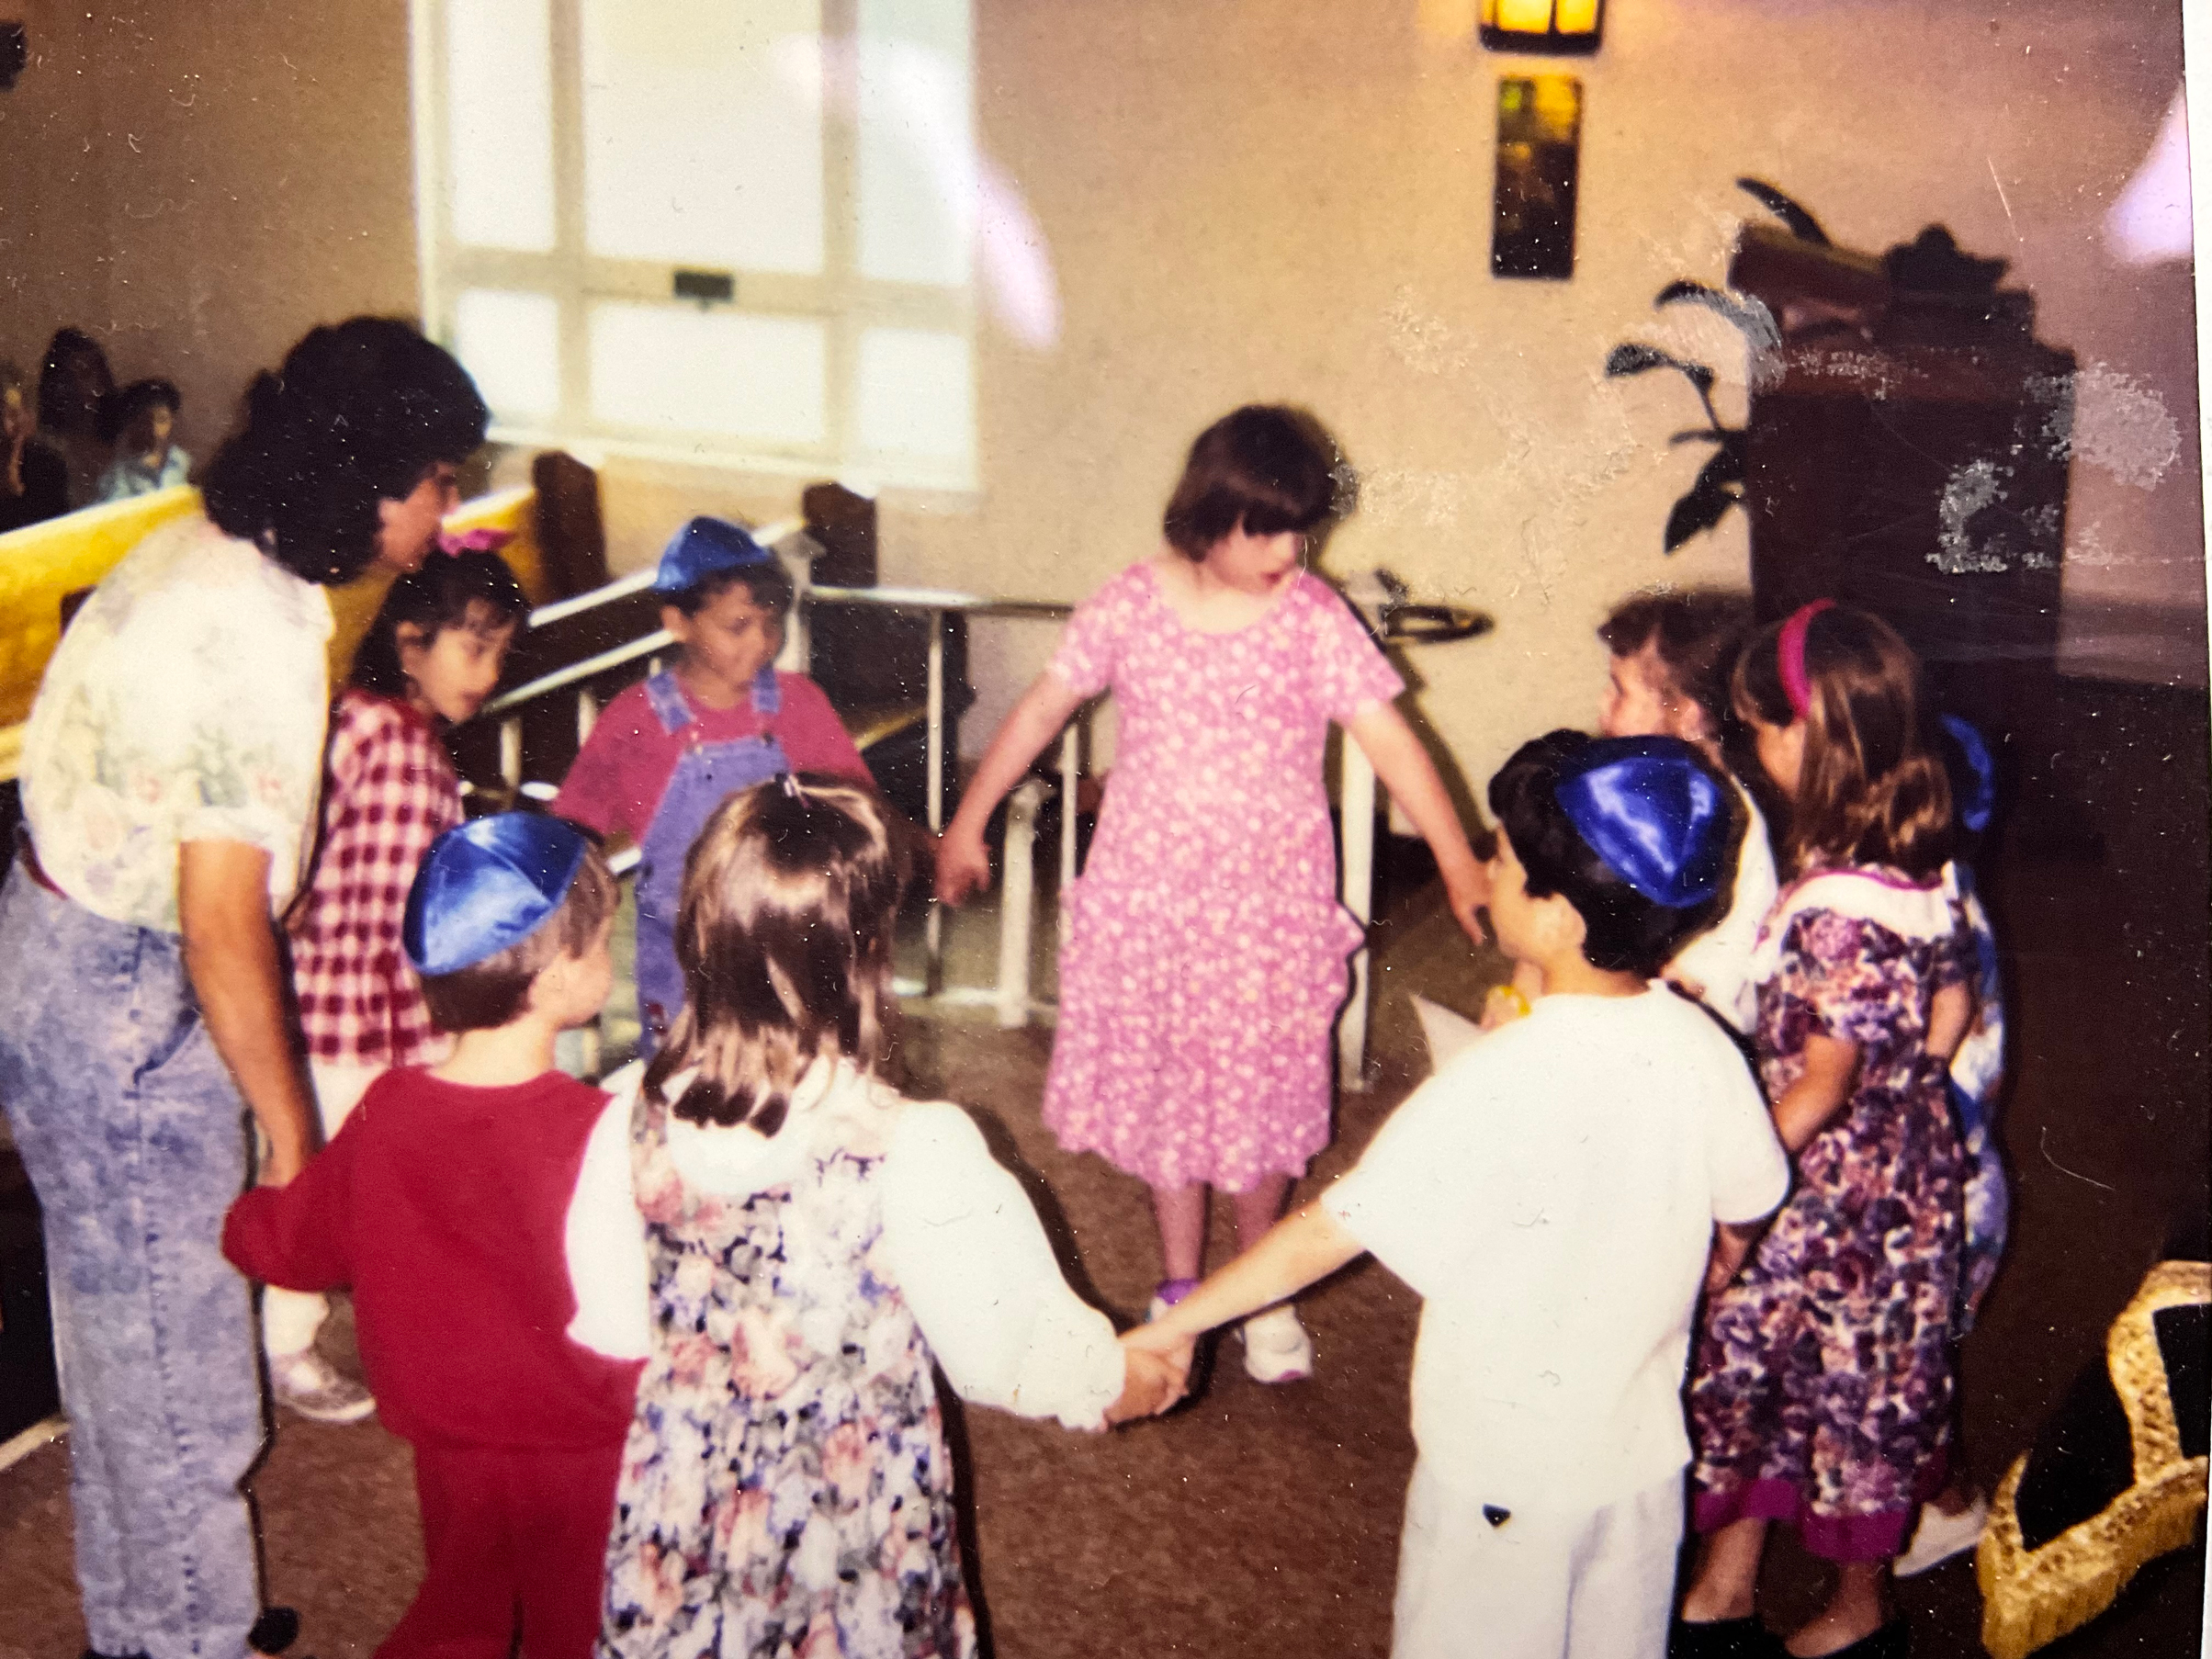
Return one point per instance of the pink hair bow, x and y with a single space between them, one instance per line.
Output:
1790 656
481 540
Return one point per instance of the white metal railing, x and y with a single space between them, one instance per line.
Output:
1010 996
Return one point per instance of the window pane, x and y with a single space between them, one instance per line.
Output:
918 169
701 125
917 394
499 123
511 343
718 372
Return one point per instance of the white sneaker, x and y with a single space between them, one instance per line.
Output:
1939 1536
1276 1348
309 1384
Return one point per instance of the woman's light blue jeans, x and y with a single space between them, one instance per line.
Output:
132 1133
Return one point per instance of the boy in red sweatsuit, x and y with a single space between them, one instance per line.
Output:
443 1203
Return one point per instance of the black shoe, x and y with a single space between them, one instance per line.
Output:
1744 1638
276 1630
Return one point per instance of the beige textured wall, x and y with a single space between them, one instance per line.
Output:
1250 199
198 181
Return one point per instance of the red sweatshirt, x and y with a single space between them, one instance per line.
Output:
445 1208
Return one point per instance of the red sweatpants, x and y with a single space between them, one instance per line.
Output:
511 1538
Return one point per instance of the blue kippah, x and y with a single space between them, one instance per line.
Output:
1974 795
1653 812
699 550
486 886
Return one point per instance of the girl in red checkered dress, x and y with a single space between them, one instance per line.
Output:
429 661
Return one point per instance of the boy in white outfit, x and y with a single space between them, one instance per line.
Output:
1557 1195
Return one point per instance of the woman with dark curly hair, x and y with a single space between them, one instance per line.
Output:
170 769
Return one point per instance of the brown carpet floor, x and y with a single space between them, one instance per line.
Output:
1264 1521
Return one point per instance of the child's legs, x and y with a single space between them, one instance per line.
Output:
570 1497
465 1606
1259 1209
1624 1588
1726 1579
289 1319
1180 1213
1459 1573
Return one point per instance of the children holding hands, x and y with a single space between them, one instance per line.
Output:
1555 1194
1206 952
792 1246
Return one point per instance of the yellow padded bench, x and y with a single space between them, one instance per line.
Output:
41 565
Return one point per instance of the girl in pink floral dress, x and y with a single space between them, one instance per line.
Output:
1206 952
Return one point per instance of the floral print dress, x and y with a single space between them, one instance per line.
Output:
1204 954
785 1492
1820 1388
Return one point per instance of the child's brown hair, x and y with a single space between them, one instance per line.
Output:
1695 635
494 992
1264 469
1872 790
783 934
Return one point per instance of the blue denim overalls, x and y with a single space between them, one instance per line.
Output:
706 775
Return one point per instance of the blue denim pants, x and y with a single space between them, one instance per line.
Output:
132 1133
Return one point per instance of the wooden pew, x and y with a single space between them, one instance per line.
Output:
43 567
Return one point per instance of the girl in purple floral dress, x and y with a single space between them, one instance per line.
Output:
1821 1390
1206 952
791 1244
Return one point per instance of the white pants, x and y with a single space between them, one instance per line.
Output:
1540 1584
289 1319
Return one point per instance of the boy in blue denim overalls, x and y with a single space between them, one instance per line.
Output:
666 753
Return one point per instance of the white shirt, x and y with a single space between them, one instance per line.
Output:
1551 1195
959 1235
1719 960
186 703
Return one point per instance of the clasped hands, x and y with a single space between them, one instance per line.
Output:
1157 1374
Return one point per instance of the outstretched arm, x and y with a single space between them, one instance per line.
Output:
962 866
1306 1244
1403 766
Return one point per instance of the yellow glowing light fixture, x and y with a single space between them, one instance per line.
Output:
1564 26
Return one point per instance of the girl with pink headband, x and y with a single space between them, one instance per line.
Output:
1820 1388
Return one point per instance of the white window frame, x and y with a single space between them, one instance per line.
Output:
839 298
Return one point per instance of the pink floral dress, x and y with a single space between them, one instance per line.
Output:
1206 952
785 1492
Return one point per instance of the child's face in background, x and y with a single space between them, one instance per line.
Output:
726 642
1640 701
451 673
1255 564
1781 753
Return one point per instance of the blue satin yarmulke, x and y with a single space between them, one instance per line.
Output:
486 886
1653 812
701 549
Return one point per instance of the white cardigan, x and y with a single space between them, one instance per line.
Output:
960 1239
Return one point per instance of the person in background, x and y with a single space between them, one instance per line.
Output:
34 483
139 424
667 752
170 769
73 383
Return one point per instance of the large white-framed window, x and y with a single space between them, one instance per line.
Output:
733 232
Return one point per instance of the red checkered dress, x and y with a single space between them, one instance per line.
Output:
388 792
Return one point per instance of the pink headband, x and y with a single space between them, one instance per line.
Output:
1790 656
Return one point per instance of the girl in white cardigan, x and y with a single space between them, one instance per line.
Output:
790 1244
